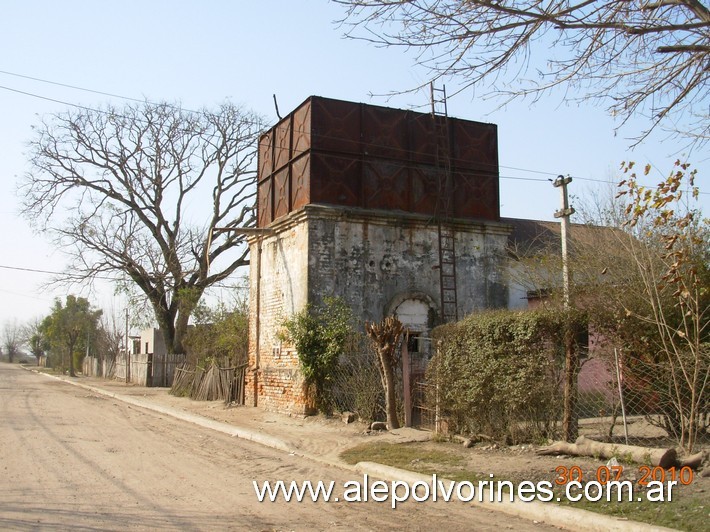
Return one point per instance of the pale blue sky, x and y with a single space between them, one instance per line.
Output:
201 53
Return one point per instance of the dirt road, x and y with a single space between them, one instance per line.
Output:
70 459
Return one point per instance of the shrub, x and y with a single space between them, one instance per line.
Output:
497 372
320 334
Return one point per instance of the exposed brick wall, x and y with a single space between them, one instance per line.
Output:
370 259
281 291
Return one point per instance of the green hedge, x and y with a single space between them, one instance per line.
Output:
498 373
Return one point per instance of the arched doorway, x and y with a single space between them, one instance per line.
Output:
417 312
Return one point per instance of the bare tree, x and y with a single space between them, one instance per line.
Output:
111 339
647 57
12 339
386 337
143 187
676 269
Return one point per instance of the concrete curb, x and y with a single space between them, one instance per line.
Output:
549 513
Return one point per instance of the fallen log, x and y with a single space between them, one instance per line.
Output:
694 461
585 447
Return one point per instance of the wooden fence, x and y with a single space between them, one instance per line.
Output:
98 367
148 369
213 383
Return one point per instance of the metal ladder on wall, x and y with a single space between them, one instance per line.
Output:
444 210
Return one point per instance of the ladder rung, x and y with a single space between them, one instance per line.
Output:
448 284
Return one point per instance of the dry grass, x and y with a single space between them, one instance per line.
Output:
689 509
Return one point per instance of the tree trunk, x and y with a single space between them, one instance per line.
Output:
392 421
386 336
173 322
73 337
71 363
570 426
165 319
585 447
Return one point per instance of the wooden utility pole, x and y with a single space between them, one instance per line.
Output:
127 358
569 415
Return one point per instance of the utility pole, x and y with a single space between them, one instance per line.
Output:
569 414
565 212
127 358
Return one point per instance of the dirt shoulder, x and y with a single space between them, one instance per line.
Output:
316 436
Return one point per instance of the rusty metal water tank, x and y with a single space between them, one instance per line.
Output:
357 155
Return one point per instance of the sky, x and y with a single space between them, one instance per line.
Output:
201 54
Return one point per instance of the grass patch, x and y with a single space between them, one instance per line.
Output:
412 457
689 509
685 512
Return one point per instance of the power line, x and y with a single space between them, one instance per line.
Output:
54 100
75 87
24 295
33 270
104 278
404 151
106 112
49 272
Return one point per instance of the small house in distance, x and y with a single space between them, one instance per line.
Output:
394 211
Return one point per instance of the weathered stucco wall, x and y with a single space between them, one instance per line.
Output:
278 289
152 341
375 261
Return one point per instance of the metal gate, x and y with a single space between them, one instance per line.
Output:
420 397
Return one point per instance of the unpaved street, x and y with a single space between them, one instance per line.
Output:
70 459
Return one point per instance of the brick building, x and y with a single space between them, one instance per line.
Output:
394 211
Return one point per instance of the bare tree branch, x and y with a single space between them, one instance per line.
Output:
638 59
133 184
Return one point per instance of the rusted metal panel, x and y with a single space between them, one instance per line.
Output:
282 193
384 133
266 160
474 145
264 203
335 126
336 180
475 196
422 147
424 184
282 143
350 154
386 185
301 181
301 130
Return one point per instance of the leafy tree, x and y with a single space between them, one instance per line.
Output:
142 189
219 334
320 333
36 339
636 57
68 329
